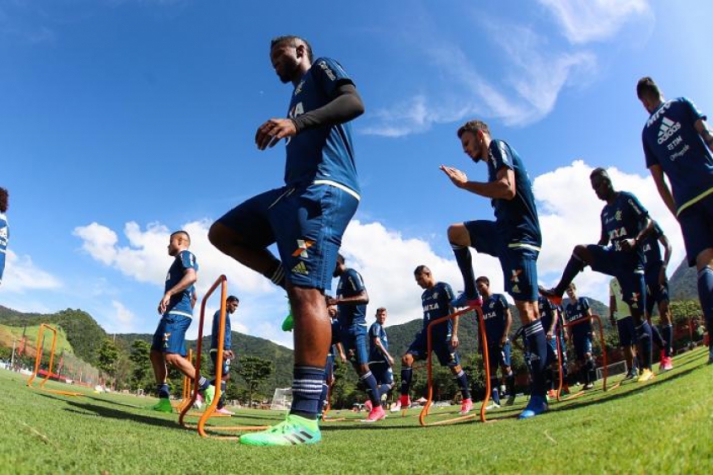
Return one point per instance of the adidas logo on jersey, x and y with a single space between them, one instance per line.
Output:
300 268
668 128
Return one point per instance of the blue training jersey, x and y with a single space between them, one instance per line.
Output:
180 303
624 219
576 310
495 318
228 340
4 238
325 153
670 140
516 219
436 303
351 284
652 252
548 314
377 331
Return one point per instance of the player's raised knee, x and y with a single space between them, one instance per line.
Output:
458 234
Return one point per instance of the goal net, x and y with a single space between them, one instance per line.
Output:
282 399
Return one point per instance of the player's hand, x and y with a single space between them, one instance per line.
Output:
272 131
228 355
503 341
457 177
343 357
391 361
454 342
163 304
332 301
628 244
549 336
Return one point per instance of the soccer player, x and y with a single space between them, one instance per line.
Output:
306 218
678 143
514 238
580 334
625 225
657 292
619 317
497 319
231 305
176 312
351 301
4 229
335 347
549 318
380 360
436 302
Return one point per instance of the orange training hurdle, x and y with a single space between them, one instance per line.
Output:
38 360
429 364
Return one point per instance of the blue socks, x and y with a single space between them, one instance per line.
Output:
495 392
537 343
371 390
462 382
657 338
203 383
574 267
465 264
163 391
667 331
645 338
406 375
510 384
276 274
306 391
705 294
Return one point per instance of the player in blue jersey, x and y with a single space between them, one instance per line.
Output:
678 143
436 302
625 226
231 305
4 229
352 300
624 323
306 218
335 348
498 320
563 338
176 310
657 292
514 238
549 318
380 360
580 332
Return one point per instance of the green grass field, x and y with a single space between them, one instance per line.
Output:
661 427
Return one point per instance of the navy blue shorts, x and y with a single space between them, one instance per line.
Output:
626 267
582 346
697 227
382 372
441 347
499 356
354 341
519 264
307 223
226 363
655 293
627 331
170 336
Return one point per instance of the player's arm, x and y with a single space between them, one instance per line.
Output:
358 299
612 305
667 251
550 332
662 188
190 276
342 354
345 105
454 335
603 236
377 342
508 324
502 188
702 128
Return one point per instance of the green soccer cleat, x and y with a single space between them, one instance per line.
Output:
295 430
164 405
289 323
208 394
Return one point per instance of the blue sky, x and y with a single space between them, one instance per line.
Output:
121 120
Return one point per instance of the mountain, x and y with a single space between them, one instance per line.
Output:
683 283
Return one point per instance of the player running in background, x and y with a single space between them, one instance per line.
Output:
436 302
624 323
231 305
581 334
306 218
176 310
625 226
380 360
498 320
657 292
549 318
678 143
351 301
334 349
514 238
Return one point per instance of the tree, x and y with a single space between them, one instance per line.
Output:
254 371
141 371
108 354
682 310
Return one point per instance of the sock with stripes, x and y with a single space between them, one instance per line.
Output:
306 391
537 344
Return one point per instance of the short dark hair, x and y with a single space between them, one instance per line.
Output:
483 279
340 258
646 88
473 126
292 39
181 231
380 310
571 286
4 196
232 298
421 269
601 172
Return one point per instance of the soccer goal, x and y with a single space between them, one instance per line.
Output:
613 369
282 399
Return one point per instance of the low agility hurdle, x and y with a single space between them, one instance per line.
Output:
38 360
209 411
429 365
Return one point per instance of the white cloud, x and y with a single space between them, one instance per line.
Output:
122 320
583 21
21 274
